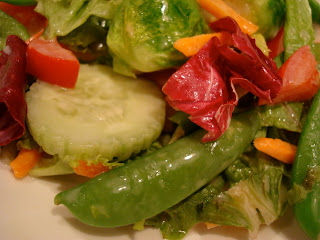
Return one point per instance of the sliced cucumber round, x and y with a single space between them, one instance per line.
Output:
106 117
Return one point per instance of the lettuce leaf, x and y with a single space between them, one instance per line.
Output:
250 192
286 116
10 26
66 15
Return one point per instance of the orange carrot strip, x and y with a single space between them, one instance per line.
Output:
191 45
211 225
24 162
276 148
220 9
90 171
36 35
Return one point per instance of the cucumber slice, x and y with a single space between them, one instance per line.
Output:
106 117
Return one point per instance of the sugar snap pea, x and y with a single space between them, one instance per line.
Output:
305 168
151 184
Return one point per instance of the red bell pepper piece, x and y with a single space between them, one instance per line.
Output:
51 63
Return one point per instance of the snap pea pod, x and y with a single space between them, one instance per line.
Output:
145 187
298 29
307 212
21 2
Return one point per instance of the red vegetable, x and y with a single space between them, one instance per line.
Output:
204 87
51 63
276 44
300 77
33 21
13 83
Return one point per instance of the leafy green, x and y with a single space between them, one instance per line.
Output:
260 198
251 191
267 14
261 43
51 166
10 26
66 15
284 116
175 222
88 41
142 34
237 171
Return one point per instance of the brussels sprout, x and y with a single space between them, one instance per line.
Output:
267 14
142 33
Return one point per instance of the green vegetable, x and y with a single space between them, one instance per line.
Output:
89 40
259 198
261 43
145 187
267 14
10 26
255 179
298 29
306 171
315 48
315 8
65 16
21 2
175 222
237 171
51 167
284 116
106 117
142 34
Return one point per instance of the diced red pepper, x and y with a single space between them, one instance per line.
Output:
51 63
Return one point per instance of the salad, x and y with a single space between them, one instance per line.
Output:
176 113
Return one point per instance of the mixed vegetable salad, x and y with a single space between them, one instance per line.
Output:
180 111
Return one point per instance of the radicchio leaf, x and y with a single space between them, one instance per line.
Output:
204 87
13 107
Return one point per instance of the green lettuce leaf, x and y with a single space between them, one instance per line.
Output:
286 116
88 41
66 15
250 192
10 26
258 199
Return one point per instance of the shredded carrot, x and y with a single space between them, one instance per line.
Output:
276 148
91 170
24 162
211 225
220 9
36 35
191 45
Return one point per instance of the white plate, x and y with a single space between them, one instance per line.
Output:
27 212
